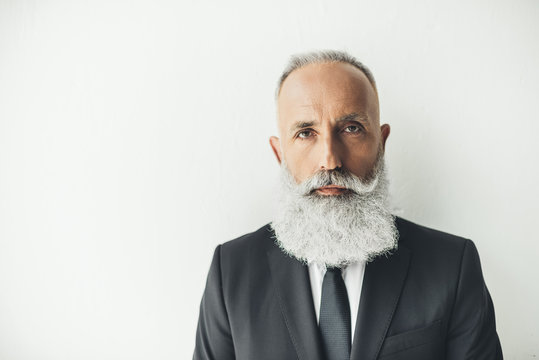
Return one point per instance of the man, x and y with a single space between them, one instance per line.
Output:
335 275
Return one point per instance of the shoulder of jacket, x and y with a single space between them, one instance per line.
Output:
422 238
258 240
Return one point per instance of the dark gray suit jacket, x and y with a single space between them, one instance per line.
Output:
427 301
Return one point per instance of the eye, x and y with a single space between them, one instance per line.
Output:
352 129
304 134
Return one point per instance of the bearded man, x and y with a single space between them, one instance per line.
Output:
335 275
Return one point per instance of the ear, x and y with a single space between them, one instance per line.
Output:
384 129
276 146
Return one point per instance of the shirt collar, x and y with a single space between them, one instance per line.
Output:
322 267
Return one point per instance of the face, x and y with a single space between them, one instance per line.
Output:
328 118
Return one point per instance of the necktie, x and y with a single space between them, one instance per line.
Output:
334 319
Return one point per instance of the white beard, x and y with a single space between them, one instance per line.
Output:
335 230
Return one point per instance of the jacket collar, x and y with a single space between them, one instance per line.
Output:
382 285
292 286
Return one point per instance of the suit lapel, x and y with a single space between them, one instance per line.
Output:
292 285
382 285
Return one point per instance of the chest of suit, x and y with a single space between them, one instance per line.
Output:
403 309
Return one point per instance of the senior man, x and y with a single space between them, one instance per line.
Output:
335 275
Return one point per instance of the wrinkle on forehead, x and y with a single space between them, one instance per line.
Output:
326 91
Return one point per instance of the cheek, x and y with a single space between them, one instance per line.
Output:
299 169
360 159
301 164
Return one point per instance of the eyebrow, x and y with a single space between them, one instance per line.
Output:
302 125
360 117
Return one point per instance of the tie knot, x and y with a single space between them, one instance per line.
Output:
334 270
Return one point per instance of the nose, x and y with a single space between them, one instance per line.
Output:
329 159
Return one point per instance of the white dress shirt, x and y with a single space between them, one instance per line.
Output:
353 279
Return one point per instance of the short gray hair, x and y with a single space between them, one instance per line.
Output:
319 57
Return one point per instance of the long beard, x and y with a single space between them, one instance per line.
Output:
340 229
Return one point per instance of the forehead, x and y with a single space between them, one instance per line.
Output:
326 89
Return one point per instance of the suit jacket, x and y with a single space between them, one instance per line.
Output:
426 301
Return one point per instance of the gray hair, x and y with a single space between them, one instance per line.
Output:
319 57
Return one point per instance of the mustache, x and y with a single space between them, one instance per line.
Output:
338 177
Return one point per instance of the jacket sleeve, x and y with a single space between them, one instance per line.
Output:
472 326
213 336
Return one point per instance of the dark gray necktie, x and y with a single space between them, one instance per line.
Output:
334 319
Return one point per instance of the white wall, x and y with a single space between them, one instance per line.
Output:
134 139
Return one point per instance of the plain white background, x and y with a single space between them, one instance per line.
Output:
134 139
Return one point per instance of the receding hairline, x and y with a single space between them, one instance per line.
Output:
323 57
